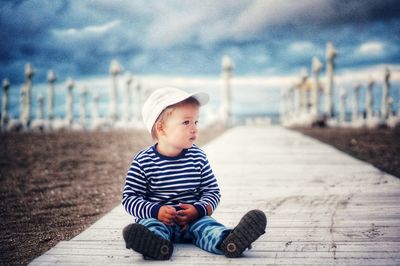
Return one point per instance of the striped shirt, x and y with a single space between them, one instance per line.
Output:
154 180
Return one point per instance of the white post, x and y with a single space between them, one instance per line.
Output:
287 106
304 96
51 78
398 109
297 100
26 116
4 106
115 70
95 107
292 103
316 68
22 102
282 106
39 111
355 106
370 99
385 95
390 106
342 106
70 111
330 57
138 101
82 108
128 97
227 68
398 105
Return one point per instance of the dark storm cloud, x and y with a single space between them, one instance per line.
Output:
80 38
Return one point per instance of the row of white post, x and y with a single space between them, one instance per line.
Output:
26 123
40 123
301 103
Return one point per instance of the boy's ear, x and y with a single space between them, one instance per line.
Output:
159 128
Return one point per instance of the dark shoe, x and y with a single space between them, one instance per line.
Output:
251 226
144 241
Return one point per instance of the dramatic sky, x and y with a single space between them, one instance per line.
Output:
189 38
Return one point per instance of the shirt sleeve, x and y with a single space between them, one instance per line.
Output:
209 191
134 194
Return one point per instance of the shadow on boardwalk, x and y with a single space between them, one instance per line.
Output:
323 207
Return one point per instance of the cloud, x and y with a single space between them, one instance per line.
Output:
302 46
373 48
265 14
93 29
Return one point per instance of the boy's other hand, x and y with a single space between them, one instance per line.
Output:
186 215
167 215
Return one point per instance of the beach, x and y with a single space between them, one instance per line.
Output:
54 185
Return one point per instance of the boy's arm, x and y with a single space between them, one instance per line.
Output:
133 198
210 197
210 192
209 210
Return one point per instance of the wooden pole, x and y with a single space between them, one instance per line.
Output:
330 66
342 106
385 108
69 104
4 107
128 97
51 78
316 68
39 111
227 69
115 70
138 101
355 103
27 102
95 107
83 108
370 99
304 96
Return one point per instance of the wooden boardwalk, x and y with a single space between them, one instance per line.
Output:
323 207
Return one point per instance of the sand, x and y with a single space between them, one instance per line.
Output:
380 147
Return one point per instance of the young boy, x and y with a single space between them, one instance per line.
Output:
171 190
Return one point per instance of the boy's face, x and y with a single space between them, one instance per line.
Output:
180 128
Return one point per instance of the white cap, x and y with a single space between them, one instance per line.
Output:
164 97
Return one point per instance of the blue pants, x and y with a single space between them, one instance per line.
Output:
206 233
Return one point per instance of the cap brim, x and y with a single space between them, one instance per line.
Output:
202 97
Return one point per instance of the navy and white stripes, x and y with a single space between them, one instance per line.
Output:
154 180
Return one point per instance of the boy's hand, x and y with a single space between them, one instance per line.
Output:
167 215
185 216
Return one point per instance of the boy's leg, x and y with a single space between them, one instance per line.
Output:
149 237
251 226
157 227
208 234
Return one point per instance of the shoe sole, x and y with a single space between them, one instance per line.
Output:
142 240
250 228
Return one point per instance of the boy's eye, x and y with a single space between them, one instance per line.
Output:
186 122
196 122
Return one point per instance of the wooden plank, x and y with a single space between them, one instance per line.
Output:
181 250
289 234
65 247
255 258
